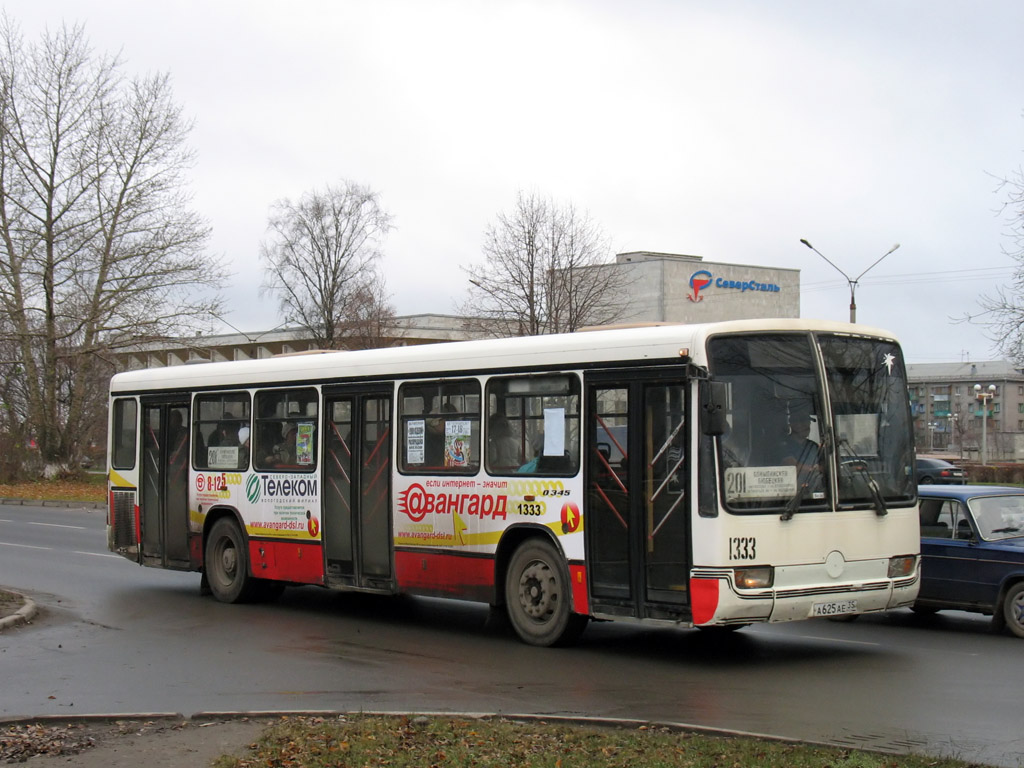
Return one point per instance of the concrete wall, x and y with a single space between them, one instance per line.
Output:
687 289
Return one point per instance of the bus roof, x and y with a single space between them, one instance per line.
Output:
621 345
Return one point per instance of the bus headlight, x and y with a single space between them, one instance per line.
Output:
754 578
902 566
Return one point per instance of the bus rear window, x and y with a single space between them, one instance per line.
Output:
125 416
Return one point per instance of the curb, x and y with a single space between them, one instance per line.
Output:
53 503
584 720
23 615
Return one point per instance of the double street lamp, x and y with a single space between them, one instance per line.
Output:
984 395
851 280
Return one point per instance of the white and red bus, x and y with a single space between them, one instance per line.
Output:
643 474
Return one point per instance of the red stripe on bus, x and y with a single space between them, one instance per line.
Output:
445 575
704 599
578 577
302 563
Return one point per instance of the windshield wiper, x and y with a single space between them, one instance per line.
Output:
1010 529
862 466
804 478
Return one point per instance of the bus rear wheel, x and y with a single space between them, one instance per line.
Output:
537 596
226 562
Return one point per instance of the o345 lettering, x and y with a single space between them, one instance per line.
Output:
742 548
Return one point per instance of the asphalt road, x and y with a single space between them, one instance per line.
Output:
113 637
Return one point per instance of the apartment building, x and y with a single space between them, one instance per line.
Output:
952 417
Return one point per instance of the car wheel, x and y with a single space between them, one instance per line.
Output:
924 610
1013 609
537 596
226 562
925 481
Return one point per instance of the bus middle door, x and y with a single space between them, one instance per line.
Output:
638 549
357 493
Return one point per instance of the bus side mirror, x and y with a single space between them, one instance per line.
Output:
716 395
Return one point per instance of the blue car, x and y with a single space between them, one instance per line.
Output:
972 552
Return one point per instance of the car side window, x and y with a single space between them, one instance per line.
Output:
935 518
954 516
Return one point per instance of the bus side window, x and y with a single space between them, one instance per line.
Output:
440 427
220 430
285 430
533 425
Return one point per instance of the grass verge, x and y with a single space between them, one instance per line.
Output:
439 742
89 487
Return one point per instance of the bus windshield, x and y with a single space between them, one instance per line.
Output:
815 422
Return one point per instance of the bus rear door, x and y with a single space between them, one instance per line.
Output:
163 498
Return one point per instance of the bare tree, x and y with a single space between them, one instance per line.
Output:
98 246
544 271
1002 312
321 261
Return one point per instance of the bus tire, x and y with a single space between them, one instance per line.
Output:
538 598
226 563
1013 609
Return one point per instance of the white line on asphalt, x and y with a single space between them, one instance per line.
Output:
836 640
95 554
58 525
24 546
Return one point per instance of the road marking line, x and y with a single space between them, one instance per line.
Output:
58 525
95 554
836 640
24 546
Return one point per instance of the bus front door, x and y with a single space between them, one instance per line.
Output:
638 550
357 493
163 497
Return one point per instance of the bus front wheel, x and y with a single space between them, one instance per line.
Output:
226 562
537 596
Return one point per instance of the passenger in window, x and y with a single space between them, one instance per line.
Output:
223 434
284 452
502 446
537 448
434 447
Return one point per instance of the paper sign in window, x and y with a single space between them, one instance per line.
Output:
456 443
415 445
554 431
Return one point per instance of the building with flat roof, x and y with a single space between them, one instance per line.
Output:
948 414
668 287
659 288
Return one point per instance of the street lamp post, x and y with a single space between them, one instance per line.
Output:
851 280
984 395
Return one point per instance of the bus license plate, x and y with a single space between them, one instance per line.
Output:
835 608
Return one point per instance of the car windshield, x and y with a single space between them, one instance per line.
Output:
999 517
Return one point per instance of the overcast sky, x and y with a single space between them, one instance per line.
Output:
727 129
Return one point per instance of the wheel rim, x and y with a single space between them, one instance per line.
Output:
1017 610
537 593
227 561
